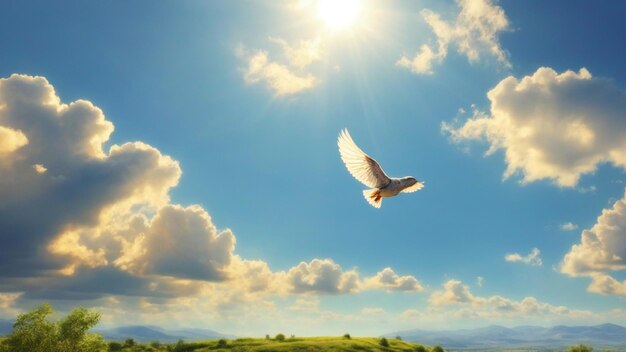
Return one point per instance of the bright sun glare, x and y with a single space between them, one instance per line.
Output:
338 14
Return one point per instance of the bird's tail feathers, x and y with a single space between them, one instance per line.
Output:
373 197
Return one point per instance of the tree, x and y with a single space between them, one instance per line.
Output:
383 342
280 337
398 338
420 348
33 332
437 349
115 346
347 336
580 348
222 343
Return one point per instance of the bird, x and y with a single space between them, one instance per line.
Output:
367 171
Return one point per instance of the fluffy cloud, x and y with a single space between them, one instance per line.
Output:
551 126
303 54
322 276
81 180
456 293
387 279
602 249
568 226
533 258
474 32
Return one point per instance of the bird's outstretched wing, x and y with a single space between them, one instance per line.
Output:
416 187
360 165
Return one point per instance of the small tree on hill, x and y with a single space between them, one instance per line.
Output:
383 342
347 336
222 343
280 337
580 348
33 332
437 349
420 348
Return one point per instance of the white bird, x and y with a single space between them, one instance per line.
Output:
367 170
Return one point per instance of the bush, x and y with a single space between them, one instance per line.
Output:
267 337
398 338
580 348
129 343
280 337
33 332
115 346
420 348
222 343
437 349
383 342
347 336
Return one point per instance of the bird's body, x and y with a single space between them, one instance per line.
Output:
367 170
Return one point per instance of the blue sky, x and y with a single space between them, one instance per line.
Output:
212 85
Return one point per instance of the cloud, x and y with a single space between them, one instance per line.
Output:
11 140
387 279
480 281
284 79
7 303
602 249
81 181
458 294
322 276
568 226
551 126
474 33
533 258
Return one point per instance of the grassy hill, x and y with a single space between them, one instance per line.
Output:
312 344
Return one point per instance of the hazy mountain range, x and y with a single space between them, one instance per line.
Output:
141 333
521 336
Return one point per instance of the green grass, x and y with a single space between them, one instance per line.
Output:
313 344
309 344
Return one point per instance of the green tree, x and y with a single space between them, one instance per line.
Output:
347 336
33 332
115 346
280 337
383 342
580 348
420 348
222 343
437 349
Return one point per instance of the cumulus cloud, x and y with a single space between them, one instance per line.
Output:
602 249
322 276
456 293
568 226
551 126
302 54
387 279
533 258
474 33
81 179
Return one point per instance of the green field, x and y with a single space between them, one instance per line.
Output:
312 344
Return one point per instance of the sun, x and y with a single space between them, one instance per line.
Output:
338 14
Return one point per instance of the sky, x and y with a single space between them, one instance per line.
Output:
175 163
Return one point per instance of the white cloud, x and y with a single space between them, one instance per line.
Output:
602 249
474 32
387 279
322 276
533 258
568 226
480 281
11 140
551 126
467 305
290 77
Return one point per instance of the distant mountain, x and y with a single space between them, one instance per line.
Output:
495 336
6 326
147 333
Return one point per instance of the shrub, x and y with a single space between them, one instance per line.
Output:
115 346
155 344
280 337
347 336
383 342
129 343
420 348
580 348
437 349
267 337
398 338
222 343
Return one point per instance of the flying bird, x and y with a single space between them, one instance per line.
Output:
367 170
